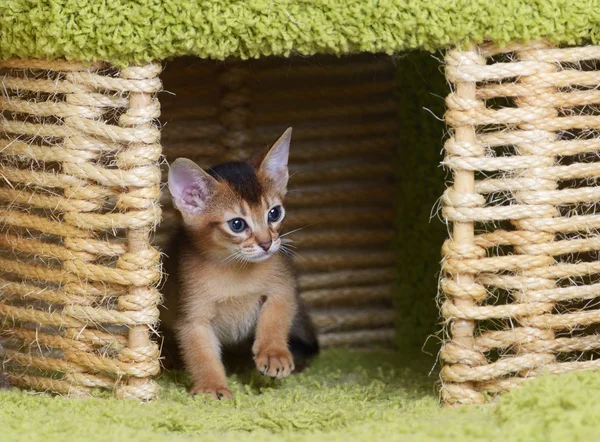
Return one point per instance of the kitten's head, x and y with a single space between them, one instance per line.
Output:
234 210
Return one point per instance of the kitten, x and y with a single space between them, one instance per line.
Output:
232 283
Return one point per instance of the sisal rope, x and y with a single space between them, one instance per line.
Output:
78 235
533 255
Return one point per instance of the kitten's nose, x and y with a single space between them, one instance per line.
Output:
265 245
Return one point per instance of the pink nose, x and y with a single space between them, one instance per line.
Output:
265 245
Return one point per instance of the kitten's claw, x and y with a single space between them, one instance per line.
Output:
216 393
275 362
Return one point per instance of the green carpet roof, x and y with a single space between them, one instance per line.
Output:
128 31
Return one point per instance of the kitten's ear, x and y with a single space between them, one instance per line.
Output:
274 163
190 186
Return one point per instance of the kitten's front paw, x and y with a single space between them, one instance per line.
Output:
274 362
215 392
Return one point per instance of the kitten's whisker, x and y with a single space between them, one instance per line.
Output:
231 257
243 261
291 255
240 258
289 246
284 252
296 230
287 251
237 259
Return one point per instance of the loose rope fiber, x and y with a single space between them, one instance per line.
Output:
520 271
79 199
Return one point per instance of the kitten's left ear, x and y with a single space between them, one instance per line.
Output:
191 187
274 164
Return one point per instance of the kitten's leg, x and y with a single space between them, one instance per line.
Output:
4 382
271 353
201 353
304 343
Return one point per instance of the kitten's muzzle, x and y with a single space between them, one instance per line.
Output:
266 245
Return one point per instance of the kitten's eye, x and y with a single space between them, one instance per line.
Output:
274 214
237 225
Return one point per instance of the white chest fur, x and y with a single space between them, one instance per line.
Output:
234 298
236 318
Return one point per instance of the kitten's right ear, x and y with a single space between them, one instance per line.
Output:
190 186
274 162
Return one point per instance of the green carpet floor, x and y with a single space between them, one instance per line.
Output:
346 395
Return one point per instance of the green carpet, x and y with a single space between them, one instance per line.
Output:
128 31
345 396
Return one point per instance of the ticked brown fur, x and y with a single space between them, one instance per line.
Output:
234 285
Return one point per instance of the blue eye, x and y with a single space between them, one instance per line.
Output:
274 214
237 225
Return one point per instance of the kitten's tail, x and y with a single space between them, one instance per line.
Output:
304 344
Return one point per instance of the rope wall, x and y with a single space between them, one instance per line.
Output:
342 188
521 270
79 161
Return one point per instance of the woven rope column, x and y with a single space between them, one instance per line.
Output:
82 151
533 98
534 261
140 160
570 89
462 291
79 199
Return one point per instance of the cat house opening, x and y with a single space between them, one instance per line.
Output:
341 200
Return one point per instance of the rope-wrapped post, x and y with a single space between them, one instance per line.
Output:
532 262
463 293
78 201
142 158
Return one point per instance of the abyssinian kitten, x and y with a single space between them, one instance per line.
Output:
232 284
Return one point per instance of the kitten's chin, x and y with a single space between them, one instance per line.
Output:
258 258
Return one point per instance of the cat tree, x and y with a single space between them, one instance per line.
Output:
81 197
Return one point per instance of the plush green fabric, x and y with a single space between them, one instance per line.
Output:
126 31
421 88
345 396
